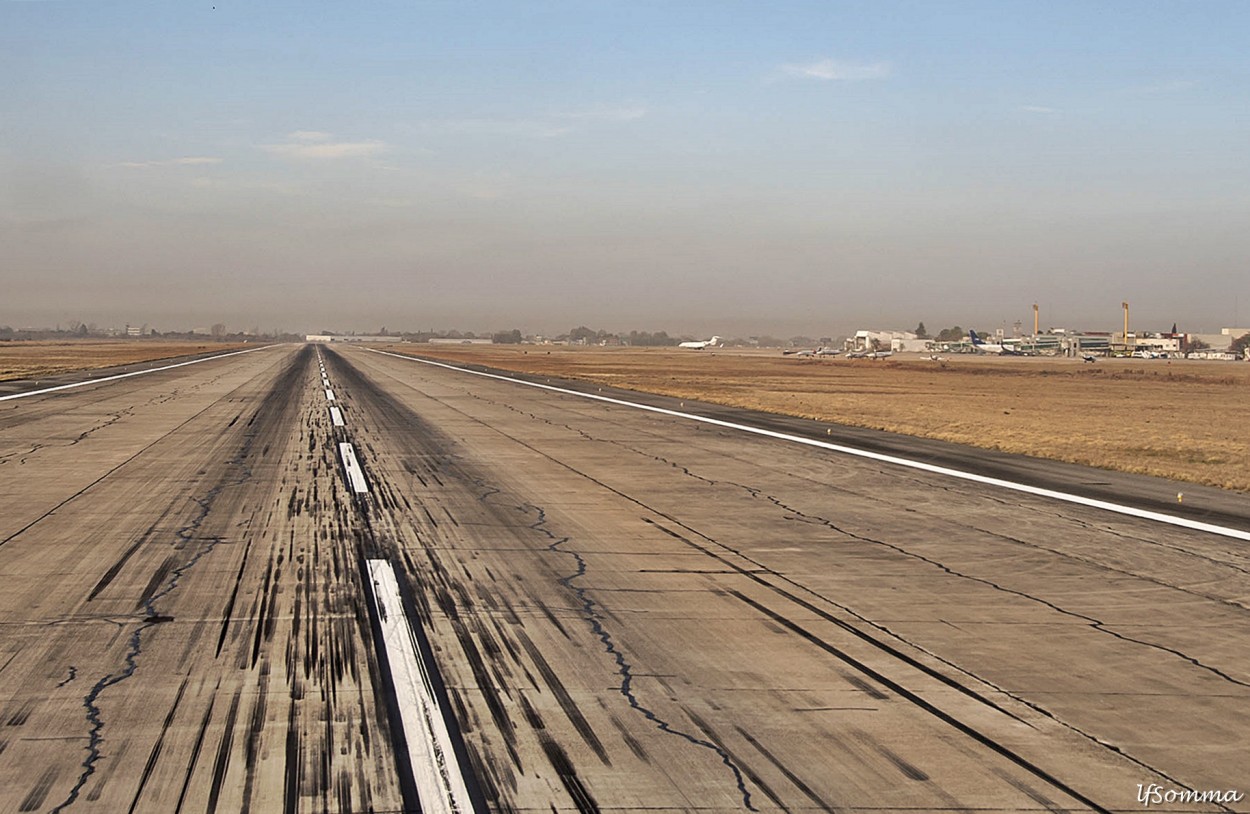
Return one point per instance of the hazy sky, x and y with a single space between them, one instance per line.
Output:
733 167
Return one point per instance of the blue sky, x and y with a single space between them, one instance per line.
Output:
730 167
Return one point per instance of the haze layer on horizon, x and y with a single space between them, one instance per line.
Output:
737 168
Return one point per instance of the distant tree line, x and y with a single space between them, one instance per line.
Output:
85 330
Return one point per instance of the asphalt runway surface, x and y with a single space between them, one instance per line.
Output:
313 578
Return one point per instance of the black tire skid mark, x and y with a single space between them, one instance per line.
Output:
945 679
278 405
594 619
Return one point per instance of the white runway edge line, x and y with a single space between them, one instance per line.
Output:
1144 514
336 416
439 779
128 375
354 473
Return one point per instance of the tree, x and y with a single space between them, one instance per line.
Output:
512 337
1188 344
645 339
921 333
218 330
955 334
1240 344
582 334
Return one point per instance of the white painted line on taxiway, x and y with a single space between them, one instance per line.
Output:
336 416
329 395
128 375
355 475
1144 514
436 772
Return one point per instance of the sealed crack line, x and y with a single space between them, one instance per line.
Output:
623 667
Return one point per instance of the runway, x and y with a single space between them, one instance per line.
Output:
314 578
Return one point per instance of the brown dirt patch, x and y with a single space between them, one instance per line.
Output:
25 360
1172 418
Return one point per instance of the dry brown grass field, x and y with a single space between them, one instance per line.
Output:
25 360
1173 418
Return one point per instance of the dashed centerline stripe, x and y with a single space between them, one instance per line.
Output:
336 417
436 771
355 475
1066 497
329 395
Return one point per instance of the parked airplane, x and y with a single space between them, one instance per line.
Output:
821 351
869 354
714 342
1089 357
981 346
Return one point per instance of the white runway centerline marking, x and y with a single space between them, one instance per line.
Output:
355 475
438 776
1066 497
336 416
329 395
29 393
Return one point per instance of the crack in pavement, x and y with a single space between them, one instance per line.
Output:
756 493
623 667
183 537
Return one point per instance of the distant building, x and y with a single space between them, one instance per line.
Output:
437 340
1220 342
1158 343
896 341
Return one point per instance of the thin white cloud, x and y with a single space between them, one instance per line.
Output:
519 128
1040 109
186 161
1172 86
315 145
833 70
309 136
625 113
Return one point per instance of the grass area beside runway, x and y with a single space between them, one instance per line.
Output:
27 360
1170 418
